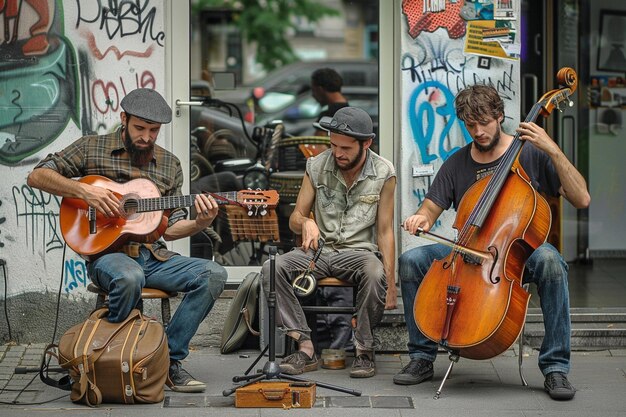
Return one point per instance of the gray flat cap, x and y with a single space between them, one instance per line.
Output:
147 104
349 121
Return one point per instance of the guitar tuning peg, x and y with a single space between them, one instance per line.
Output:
250 212
263 212
570 103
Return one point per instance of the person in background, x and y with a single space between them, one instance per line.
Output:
326 86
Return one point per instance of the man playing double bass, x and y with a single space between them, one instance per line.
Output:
482 110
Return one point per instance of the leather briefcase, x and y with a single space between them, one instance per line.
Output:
123 362
276 394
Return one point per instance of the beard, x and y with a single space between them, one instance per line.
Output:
494 142
353 163
138 156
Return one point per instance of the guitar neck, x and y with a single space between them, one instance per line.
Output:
172 202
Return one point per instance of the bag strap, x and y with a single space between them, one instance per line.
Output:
246 318
133 315
65 382
85 384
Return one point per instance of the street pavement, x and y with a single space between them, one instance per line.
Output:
475 388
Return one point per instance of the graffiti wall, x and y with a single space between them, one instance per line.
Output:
66 65
445 47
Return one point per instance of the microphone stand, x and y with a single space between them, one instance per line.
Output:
271 370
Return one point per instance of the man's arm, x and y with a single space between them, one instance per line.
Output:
300 221
573 185
386 241
50 181
424 217
206 209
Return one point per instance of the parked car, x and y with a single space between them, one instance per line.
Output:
298 117
293 80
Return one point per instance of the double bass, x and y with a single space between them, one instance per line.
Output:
472 302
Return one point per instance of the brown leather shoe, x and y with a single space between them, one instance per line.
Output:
298 362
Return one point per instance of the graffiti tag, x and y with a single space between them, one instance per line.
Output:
121 19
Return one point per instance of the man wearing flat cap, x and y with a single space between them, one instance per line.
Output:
128 153
349 189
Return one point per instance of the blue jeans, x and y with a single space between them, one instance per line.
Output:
201 280
545 268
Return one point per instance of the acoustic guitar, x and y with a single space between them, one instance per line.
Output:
91 234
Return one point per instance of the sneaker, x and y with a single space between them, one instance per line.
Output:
416 371
297 363
558 387
363 367
181 381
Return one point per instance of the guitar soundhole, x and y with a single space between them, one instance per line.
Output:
130 207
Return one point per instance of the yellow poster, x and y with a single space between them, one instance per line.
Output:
491 38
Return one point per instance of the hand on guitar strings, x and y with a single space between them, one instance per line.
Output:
103 200
206 209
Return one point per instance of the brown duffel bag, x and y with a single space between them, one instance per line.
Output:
123 362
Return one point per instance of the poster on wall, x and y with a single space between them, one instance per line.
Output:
492 38
612 47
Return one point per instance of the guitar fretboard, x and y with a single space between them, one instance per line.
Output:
172 202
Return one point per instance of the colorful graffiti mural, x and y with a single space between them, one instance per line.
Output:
66 66
37 78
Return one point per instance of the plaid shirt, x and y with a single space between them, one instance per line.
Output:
106 155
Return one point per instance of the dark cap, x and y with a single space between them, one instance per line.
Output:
147 104
349 121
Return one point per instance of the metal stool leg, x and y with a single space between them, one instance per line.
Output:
454 358
166 314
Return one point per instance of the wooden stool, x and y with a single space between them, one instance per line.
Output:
146 293
311 311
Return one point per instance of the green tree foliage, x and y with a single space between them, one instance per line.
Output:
267 22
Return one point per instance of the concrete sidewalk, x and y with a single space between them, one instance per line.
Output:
475 388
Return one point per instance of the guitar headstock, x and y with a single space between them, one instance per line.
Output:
556 98
257 201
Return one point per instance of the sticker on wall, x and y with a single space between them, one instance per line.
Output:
425 15
492 38
504 10
477 10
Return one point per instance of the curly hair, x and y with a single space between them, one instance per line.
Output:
478 103
328 79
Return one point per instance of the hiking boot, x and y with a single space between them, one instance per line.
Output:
558 387
297 363
363 367
181 381
416 371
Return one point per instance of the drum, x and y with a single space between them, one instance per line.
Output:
287 184
293 152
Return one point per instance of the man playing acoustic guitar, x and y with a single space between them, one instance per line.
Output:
127 154
482 110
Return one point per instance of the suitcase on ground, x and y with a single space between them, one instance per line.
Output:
276 394
123 362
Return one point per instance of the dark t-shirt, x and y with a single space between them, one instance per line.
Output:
460 171
332 109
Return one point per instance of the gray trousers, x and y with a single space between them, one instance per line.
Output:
361 267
